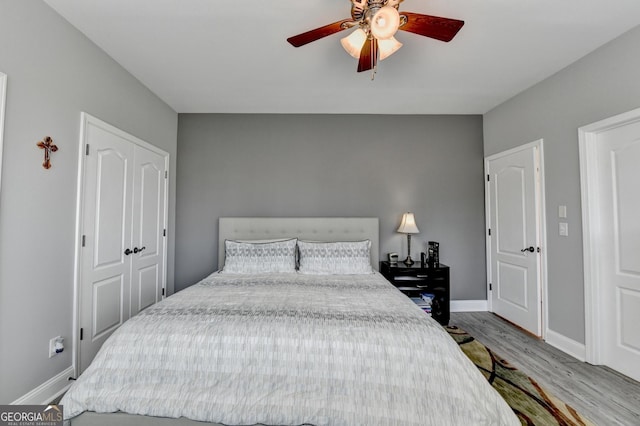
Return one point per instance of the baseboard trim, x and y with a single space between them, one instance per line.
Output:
569 346
49 390
469 306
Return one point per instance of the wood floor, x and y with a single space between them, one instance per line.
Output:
602 395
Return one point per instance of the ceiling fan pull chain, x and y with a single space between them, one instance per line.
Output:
374 58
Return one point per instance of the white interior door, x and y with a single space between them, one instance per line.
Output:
618 152
123 205
147 261
514 255
106 270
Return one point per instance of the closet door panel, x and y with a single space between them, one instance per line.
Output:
106 269
148 227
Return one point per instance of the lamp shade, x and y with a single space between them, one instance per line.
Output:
385 22
388 47
353 42
408 224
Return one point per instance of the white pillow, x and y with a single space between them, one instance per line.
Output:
259 257
336 258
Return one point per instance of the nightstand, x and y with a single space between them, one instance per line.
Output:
415 279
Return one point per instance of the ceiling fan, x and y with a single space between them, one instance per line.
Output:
377 22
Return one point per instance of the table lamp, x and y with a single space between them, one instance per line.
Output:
408 226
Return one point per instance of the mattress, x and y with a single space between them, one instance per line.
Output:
287 349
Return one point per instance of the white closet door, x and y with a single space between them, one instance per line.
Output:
106 269
147 261
123 219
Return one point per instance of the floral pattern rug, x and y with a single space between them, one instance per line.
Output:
532 404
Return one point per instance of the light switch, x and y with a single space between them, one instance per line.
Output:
563 229
562 211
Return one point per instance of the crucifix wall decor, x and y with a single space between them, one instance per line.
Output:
49 147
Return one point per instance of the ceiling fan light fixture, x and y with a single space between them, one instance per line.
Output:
385 23
375 23
388 47
353 42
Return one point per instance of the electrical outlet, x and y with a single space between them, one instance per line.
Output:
56 346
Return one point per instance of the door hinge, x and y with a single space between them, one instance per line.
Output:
86 151
490 287
84 240
163 291
164 232
166 174
488 179
81 333
489 231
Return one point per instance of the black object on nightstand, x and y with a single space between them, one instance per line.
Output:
415 279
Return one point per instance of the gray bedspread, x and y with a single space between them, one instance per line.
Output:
288 349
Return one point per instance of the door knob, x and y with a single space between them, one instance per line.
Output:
142 248
531 249
127 252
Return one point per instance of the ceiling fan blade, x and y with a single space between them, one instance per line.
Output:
318 33
368 55
443 29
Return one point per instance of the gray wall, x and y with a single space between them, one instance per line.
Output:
335 165
600 85
54 73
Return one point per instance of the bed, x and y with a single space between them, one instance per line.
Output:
336 346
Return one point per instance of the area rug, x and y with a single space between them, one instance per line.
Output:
532 404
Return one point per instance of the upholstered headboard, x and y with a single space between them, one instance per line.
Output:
303 228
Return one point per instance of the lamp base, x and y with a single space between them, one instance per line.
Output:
408 261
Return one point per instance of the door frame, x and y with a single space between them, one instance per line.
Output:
3 103
587 145
542 228
85 120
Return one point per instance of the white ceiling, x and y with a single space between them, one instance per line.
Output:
233 57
